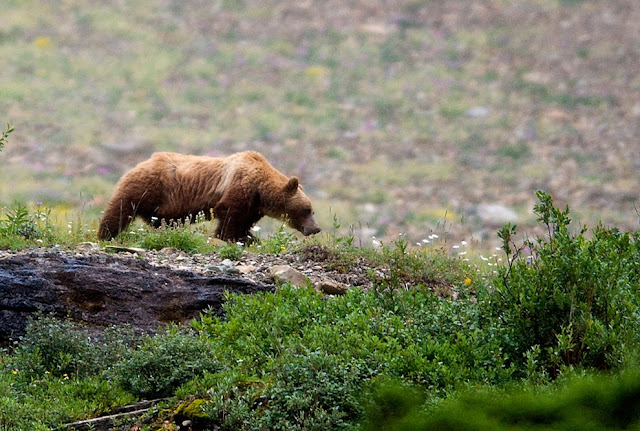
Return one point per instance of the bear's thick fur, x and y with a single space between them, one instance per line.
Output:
238 190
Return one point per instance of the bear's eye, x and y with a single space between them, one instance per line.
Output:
308 212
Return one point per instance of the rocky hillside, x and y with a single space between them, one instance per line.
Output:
147 289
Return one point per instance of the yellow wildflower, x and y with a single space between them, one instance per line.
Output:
467 281
316 71
43 42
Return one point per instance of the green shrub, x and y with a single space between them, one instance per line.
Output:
45 402
310 358
591 403
55 347
22 226
55 375
163 362
226 399
314 391
309 392
568 299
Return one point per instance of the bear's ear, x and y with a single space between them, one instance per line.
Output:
292 185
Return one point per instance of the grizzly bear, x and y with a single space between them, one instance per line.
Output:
237 190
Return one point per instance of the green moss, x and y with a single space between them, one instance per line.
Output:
192 409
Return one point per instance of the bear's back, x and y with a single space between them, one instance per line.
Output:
177 158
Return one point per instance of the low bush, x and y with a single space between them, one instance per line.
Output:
590 403
56 347
281 240
231 251
21 226
566 299
55 375
311 357
118 366
45 402
159 364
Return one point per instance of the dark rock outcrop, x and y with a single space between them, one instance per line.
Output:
102 290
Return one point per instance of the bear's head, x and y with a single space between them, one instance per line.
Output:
298 211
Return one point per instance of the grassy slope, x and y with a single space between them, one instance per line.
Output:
434 336
371 103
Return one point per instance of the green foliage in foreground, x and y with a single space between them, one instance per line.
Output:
597 403
307 359
562 305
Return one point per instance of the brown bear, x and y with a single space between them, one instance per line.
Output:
238 190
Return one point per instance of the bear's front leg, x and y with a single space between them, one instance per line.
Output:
236 215
232 226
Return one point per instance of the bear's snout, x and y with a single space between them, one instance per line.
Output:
307 227
311 230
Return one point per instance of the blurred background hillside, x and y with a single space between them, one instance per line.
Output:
399 116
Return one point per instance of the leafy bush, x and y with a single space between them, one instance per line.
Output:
46 401
313 391
592 403
314 356
55 375
22 226
162 363
423 266
568 299
55 347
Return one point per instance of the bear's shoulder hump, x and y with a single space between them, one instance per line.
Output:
253 156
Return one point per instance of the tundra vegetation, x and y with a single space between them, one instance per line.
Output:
540 335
